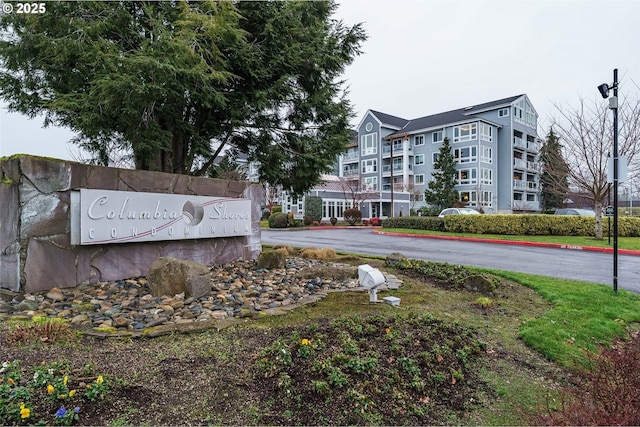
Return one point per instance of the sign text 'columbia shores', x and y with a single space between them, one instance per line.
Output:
105 216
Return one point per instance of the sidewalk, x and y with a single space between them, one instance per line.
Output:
511 242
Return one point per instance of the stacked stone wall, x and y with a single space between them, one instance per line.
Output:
36 253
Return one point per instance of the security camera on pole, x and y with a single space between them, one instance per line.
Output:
615 167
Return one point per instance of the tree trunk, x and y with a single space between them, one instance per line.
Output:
598 209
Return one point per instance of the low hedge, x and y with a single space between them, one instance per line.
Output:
415 223
514 224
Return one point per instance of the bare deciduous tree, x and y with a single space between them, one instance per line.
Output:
354 190
586 135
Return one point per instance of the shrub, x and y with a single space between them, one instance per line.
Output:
333 220
316 223
375 221
276 209
352 216
313 207
416 223
429 211
307 220
287 249
318 253
609 392
278 220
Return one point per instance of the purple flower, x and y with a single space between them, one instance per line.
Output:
76 409
61 412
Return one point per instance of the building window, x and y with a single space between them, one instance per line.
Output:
370 166
486 176
487 198
368 127
332 209
466 155
397 164
503 112
418 179
486 155
421 197
437 136
397 145
523 113
418 140
370 183
486 132
369 144
419 160
469 198
466 132
467 176
435 157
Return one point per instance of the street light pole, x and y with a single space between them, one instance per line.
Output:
613 105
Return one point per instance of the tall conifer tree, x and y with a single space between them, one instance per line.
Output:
555 174
441 191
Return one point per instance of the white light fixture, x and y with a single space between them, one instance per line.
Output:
370 278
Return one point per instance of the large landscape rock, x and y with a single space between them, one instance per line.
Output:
271 260
171 276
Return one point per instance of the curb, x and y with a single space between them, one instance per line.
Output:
511 242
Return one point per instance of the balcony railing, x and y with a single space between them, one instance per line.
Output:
519 163
349 172
532 185
519 184
519 142
533 146
534 166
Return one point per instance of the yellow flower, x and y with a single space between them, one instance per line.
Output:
62 396
24 412
50 389
65 380
305 341
387 330
11 381
99 380
72 393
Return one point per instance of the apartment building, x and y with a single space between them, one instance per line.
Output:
495 145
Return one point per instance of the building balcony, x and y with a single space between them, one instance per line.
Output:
532 186
519 143
534 166
519 184
350 159
533 146
519 164
350 172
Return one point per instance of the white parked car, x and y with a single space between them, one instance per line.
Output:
458 211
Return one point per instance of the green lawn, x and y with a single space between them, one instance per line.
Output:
632 243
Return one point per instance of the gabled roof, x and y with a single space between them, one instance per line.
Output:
453 116
388 119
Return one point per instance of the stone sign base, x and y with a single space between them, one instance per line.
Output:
36 253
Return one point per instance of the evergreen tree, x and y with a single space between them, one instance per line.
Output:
168 81
441 191
555 172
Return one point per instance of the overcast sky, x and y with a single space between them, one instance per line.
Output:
425 56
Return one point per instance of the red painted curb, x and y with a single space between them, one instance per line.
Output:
510 242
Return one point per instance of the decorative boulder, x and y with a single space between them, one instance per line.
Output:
394 257
269 260
479 283
171 276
